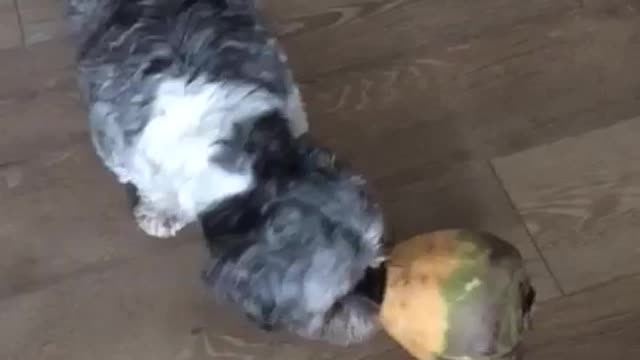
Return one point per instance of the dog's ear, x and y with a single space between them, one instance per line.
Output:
230 152
266 144
272 146
236 215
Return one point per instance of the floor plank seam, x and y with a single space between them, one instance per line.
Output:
91 269
408 53
603 284
522 222
23 39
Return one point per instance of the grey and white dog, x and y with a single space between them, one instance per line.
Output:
173 89
192 104
292 253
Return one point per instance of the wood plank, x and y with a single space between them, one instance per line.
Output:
299 17
62 213
41 66
494 95
291 9
332 38
40 107
41 120
580 198
152 308
10 36
469 196
598 324
42 20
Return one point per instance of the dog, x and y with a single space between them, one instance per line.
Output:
291 252
172 88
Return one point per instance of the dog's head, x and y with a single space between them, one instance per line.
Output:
291 249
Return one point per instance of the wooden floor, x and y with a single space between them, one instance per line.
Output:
517 117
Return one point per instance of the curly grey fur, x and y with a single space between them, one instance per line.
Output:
291 253
168 81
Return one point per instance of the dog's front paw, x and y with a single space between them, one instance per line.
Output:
156 223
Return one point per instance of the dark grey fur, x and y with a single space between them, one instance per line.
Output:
128 48
291 253
290 249
125 44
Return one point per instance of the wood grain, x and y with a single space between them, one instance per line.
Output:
327 15
151 308
41 20
35 67
469 196
62 214
291 9
581 202
490 96
10 36
40 108
598 324
41 120
346 36
419 95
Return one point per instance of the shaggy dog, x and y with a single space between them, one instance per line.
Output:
173 87
290 252
193 107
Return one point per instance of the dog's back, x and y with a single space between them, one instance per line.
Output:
137 55
125 44
167 83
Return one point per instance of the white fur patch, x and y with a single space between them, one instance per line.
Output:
296 113
172 166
